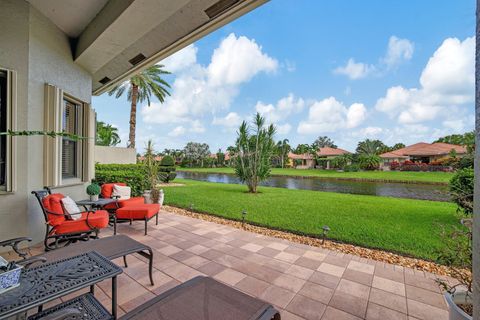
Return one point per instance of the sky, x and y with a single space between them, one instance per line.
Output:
398 71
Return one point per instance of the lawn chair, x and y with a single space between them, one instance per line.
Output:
107 191
61 230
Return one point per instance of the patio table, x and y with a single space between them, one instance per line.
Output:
100 204
53 280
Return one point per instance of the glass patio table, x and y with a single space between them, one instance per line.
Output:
49 281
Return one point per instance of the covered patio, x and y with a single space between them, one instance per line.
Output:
302 282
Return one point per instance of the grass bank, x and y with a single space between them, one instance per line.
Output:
399 225
400 176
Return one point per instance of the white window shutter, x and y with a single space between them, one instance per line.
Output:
88 143
52 146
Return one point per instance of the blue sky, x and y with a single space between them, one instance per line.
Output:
399 71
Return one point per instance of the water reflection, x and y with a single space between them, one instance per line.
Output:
386 189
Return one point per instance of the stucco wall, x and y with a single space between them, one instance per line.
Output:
108 155
40 53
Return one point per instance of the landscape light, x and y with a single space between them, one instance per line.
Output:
324 233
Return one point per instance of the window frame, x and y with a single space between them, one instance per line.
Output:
11 124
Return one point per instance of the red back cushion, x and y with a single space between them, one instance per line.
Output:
107 189
53 203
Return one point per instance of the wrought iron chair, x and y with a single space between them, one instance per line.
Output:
61 230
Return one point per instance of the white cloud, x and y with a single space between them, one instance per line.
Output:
370 132
177 131
398 50
447 81
283 128
355 70
329 115
197 127
181 60
284 108
198 89
231 120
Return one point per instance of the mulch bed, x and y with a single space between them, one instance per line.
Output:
377 255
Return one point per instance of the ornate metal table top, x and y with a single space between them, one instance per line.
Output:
52 280
99 203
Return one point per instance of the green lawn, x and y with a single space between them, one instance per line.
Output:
428 177
399 225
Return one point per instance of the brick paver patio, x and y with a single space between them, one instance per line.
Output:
303 282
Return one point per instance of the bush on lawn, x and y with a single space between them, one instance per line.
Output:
167 169
461 189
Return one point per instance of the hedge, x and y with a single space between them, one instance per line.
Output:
133 175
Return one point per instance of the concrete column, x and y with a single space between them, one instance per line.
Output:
476 211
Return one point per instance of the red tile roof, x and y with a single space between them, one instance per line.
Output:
322 152
425 149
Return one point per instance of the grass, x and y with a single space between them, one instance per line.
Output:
398 225
420 177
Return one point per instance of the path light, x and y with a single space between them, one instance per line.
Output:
244 214
324 234
191 207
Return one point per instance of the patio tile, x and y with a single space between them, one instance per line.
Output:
289 316
348 303
331 269
252 247
196 262
314 255
182 272
354 289
425 312
211 268
361 267
198 249
278 246
388 285
299 272
336 314
277 296
426 296
278 265
295 250
325 279
230 276
390 274
316 292
182 255
287 257
377 312
252 286
308 263
307 308
336 260
289 282
169 250
387 299
269 252
422 282
360 277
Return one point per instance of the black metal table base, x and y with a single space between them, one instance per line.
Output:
84 307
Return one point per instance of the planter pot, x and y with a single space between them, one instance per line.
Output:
94 197
161 198
455 313
9 279
147 196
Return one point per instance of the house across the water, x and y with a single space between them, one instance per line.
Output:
307 161
422 152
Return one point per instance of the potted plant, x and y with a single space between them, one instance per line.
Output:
150 164
457 251
93 190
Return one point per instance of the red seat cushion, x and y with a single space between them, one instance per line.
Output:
138 212
107 189
53 203
98 220
135 201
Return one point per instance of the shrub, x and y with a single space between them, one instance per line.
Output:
135 179
466 162
461 189
369 162
352 168
167 169
93 189
167 161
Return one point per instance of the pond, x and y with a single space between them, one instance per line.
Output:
385 189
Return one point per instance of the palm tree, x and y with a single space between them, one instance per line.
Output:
107 135
139 88
283 149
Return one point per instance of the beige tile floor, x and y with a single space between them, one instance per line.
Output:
301 281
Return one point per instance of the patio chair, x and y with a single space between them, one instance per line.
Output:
107 191
60 228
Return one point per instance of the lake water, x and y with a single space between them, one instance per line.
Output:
386 189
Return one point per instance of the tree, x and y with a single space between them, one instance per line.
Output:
140 88
220 158
107 135
196 152
323 142
302 148
283 148
371 147
255 147
397 146
467 139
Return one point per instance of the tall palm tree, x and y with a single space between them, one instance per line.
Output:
283 149
107 135
140 88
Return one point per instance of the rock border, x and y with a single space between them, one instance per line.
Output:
373 254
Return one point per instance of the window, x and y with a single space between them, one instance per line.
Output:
70 147
3 128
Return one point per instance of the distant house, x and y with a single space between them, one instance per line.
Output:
422 152
307 161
